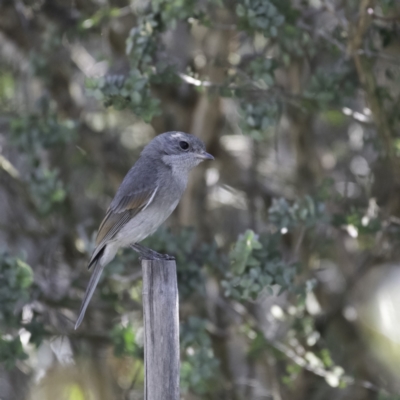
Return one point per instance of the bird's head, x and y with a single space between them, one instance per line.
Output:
178 150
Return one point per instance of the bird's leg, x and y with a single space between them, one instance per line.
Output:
148 254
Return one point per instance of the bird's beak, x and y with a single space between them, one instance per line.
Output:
204 156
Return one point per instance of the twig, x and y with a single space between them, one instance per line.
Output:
295 357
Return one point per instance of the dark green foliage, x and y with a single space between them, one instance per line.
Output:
16 278
259 15
257 262
256 265
141 44
241 255
120 92
11 350
292 372
34 132
199 368
306 212
329 88
170 12
385 396
50 46
46 189
257 346
295 43
258 118
7 89
388 5
124 341
32 135
263 70
358 219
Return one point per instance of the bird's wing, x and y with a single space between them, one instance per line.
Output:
121 211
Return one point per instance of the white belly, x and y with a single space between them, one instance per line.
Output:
142 225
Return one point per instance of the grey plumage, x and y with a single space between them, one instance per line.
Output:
147 196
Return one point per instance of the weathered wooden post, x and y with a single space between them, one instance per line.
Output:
161 330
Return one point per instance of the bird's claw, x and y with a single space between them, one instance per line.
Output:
156 256
167 257
148 254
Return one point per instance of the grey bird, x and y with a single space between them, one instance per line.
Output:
147 196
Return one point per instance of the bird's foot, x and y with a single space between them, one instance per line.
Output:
148 254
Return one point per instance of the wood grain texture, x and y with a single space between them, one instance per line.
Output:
161 330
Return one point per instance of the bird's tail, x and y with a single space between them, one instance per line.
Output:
94 280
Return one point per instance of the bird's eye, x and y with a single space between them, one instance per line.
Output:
184 145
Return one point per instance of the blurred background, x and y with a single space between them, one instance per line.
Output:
287 245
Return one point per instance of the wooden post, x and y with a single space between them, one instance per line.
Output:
161 330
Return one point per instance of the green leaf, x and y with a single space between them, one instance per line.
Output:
240 254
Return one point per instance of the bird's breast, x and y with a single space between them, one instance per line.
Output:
147 221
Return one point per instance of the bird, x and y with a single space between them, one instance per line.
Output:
147 196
